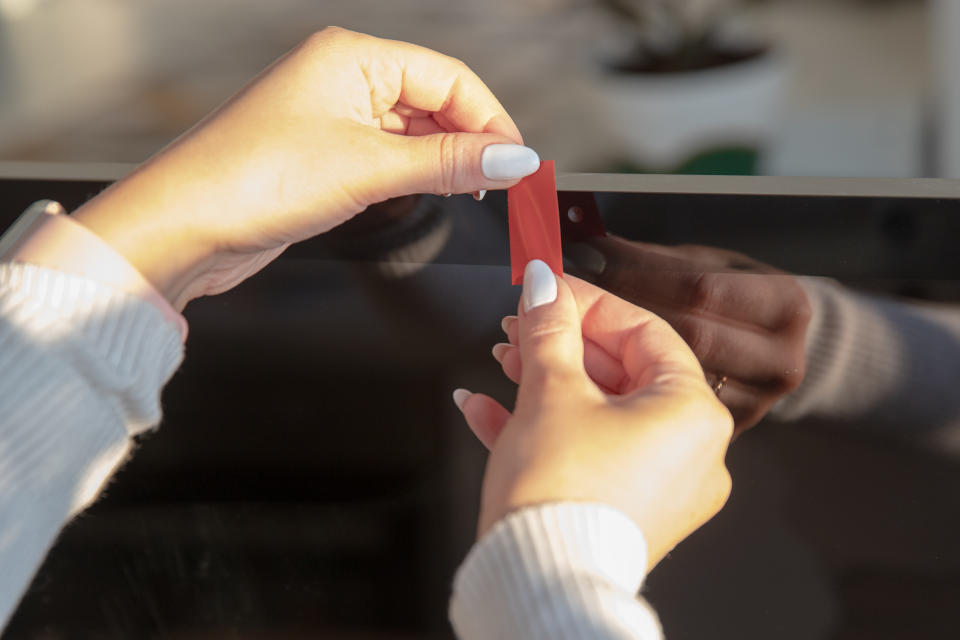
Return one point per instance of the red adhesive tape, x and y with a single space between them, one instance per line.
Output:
534 222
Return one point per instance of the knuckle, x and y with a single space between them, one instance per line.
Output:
561 380
795 371
334 31
724 423
791 370
698 336
554 382
324 35
447 156
710 421
703 290
716 418
723 485
546 329
325 39
798 310
803 310
458 63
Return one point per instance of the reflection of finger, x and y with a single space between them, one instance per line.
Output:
745 404
669 278
767 361
708 256
485 416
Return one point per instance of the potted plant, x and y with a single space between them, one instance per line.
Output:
689 91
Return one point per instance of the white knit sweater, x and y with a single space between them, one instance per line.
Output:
81 370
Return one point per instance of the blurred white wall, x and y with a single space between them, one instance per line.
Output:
945 41
860 87
112 80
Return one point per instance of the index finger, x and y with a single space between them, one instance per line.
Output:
638 338
440 84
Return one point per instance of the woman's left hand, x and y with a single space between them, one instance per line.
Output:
343 121
612 408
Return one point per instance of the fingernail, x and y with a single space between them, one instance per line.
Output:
478 195
53 207
499 350
460 396
447 195
505 323
584 258
539 285
508 161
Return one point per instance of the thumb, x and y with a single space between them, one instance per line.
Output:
550 338
455 163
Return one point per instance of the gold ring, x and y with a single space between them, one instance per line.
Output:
719 385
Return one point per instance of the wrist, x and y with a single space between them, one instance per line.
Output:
152 232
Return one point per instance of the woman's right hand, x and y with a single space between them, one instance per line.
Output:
648 437
341 122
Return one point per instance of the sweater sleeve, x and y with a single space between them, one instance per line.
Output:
880 365
81 369
558 571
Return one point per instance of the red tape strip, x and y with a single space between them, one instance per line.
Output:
534 222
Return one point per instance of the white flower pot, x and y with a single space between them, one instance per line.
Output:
662 120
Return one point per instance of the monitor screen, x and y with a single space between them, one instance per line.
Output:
311 476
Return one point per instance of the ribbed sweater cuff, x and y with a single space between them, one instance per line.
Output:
119 342
563 570
83 366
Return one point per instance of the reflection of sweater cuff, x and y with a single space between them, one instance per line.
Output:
563 570
853 356
881 365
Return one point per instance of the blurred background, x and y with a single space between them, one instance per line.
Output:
312 478
823 87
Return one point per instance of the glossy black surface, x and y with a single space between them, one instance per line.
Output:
312 478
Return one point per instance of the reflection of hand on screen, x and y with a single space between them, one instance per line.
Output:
745 321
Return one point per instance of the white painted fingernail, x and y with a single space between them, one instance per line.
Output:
499 350
508 161
539 285
478 195
460 396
